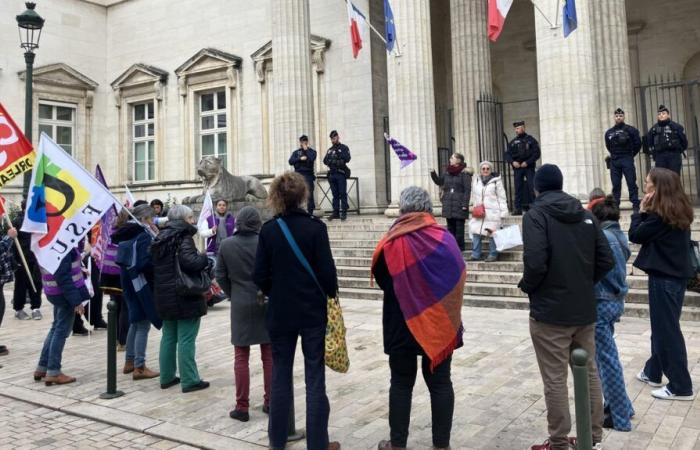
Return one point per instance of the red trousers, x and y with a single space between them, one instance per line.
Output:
242 374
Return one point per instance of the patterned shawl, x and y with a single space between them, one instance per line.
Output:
428 274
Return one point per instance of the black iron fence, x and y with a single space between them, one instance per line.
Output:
493 141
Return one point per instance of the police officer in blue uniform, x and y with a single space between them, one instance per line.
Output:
667 141
337 159
303 160
623 143
522 153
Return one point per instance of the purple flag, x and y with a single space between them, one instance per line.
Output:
101 232
405 155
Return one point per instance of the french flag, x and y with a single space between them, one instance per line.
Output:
498 9
357 22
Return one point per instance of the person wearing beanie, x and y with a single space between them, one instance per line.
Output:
522 153
623 143
337 159
596 196
565 253
667 141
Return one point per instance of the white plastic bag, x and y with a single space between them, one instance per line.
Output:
508 237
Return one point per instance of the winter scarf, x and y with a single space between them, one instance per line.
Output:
455 169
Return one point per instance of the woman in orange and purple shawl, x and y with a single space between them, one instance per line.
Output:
420 268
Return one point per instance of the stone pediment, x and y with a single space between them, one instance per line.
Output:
262 57
140 74
207 60
61 75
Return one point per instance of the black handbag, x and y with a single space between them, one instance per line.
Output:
190 284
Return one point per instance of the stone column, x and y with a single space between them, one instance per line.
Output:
293 90
471 71
411 98
568 99
614 75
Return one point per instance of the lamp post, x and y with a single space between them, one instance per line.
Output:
30 24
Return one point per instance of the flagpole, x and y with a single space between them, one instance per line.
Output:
379 35
545 17
19 248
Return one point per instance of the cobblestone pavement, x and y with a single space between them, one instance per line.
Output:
499 400
27 426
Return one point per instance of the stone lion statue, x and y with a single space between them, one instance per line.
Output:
224 185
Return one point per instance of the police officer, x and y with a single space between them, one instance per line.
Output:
667 141
337 159
623 143
523 153
303 160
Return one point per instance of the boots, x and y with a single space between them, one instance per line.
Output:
386 445
144 373
38 376
128 366
61 378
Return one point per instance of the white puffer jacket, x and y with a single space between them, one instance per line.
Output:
493 197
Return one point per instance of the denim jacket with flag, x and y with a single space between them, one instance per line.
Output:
614 285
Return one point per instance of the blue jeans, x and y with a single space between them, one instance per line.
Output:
52 352
317 406
618 168
136 341
476 246
339 189
668 353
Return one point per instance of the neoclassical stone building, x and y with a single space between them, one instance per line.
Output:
146 87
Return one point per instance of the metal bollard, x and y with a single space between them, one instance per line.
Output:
292 433
584 437
112 320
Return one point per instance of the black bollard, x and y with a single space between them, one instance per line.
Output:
584 439
112 320
292 433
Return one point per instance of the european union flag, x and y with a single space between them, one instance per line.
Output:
389 27
569 20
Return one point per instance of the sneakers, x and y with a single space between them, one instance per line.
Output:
491 258
241 416
197 387
36 314
665 394
171 383
641 376
21 315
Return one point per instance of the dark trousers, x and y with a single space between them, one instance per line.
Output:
23 286
618 168
669 160
2 303
524 187
339 189
122 318
668 353
456 229
96 300
310 182
442 398
317 406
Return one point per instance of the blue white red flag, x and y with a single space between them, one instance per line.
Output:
357 22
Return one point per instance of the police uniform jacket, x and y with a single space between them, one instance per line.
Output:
667 136
623 140
523 148
304 167
337 158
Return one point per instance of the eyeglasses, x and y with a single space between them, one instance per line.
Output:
486 169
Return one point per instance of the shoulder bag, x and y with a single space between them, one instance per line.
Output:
190 284
479 211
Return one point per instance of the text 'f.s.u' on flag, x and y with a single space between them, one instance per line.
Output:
358 24
405 155
16 153
497 10
569 19
64 202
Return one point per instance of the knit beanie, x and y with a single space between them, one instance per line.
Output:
549 178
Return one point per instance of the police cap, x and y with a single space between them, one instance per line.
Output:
663 108
333 134
619 111
303 138
519 123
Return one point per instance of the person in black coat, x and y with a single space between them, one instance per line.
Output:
522 153
565 254
297 307
663 230
455 189
667 142
180 313
303 160
22 285
337 159
623 143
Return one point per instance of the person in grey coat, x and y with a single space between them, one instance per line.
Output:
455 189
234 272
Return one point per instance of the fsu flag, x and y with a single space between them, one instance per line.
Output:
498 9
65 201
16 154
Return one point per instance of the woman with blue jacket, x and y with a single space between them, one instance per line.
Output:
610 293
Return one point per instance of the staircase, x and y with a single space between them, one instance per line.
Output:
488 285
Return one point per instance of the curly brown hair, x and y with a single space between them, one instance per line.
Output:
670 201
287 191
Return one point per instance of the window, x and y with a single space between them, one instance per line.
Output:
212 125
58 121
143 141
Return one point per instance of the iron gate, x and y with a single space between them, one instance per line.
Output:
682 98
493 142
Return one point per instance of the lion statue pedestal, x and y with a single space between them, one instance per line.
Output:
238 191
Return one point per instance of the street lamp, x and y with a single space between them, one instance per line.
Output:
30 24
